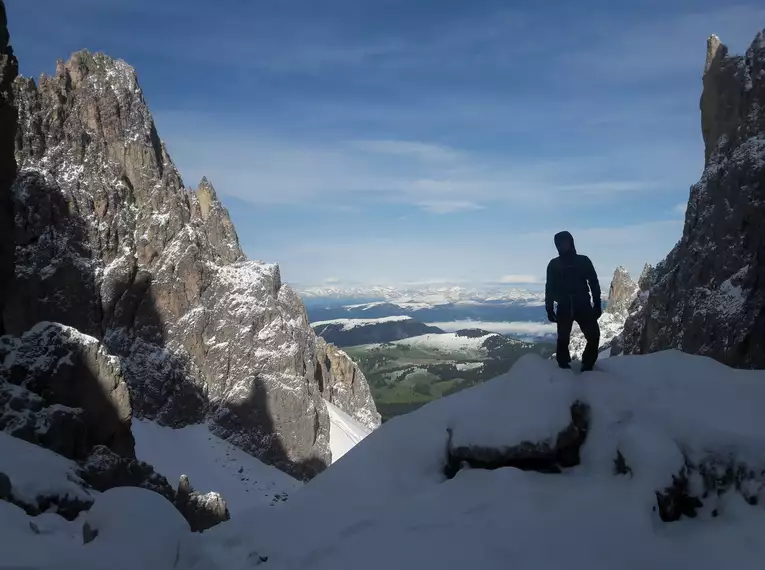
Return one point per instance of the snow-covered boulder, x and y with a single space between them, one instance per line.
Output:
40 480
671 437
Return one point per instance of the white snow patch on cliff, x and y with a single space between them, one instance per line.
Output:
350 324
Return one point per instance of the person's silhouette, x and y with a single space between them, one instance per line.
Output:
570 278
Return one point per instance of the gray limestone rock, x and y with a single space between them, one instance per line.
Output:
621 293
707 296
112 243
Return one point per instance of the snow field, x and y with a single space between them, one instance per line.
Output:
211 463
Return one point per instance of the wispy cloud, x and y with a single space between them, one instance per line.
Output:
417 150
519 279
448 206
680 208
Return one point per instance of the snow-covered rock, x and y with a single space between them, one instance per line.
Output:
707 296
41 480
110 242
81 385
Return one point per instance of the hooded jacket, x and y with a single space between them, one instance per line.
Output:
570 278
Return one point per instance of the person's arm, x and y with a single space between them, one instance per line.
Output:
549 288
592 279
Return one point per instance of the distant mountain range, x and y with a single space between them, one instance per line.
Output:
353 332
435 306
426 296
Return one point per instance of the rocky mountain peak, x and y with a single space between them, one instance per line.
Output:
621 292
713 47
110 242
715 304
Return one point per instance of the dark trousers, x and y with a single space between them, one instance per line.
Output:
589 325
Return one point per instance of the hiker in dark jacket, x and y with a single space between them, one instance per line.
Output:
570 279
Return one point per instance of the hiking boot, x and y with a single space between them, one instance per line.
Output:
589 368
564 365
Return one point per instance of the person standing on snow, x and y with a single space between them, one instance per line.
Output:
570 278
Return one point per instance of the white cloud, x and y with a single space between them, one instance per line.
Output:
245 162
521 328
448 206
519 279
680 208
476 257
332 281
417 150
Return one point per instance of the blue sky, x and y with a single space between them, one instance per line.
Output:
400 141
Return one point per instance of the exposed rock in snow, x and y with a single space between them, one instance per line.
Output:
106 470
707 296
550 455
110 242
201 510
8 72
621 294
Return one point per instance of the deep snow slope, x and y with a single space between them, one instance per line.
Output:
388 503
660 411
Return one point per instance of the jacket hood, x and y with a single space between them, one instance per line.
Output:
563 237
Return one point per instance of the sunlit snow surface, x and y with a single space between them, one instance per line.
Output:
211 463
385 504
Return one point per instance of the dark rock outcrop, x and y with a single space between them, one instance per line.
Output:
201 510
104 470
111 243
548 456
708 296
8 71
67 392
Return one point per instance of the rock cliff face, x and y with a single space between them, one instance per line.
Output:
110 242
620 295
8 72
708 296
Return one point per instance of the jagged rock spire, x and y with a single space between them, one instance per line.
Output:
621 292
